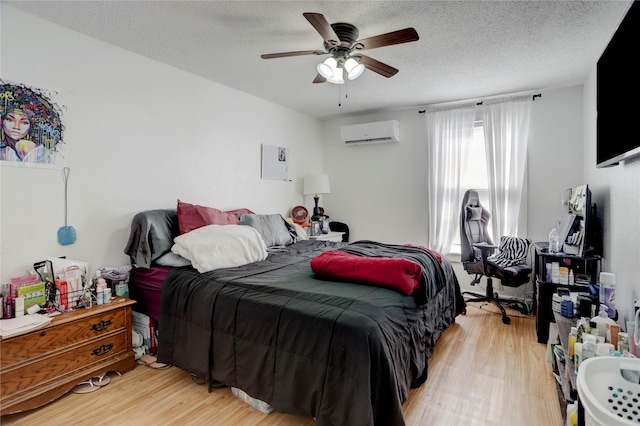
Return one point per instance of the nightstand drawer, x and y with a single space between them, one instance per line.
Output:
55 367
61 336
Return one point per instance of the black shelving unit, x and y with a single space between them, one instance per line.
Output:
583 266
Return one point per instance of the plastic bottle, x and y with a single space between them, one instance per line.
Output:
8 307
623 342
99 292
572 414
554 241
106 295
573 336
601 321
94 285
577 355
102 285
582 329
607 294
589 347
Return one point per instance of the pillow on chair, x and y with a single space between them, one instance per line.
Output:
512 251
474 213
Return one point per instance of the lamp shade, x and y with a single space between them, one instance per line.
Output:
329 69
316 184
353 68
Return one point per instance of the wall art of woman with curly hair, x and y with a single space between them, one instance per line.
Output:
30 126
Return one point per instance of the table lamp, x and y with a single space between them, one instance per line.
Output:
314 185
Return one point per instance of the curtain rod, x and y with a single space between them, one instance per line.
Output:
533 98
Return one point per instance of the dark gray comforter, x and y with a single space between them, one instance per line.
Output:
343 353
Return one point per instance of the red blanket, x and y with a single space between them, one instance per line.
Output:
399 274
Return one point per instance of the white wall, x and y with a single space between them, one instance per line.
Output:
142 134
616 191
380 190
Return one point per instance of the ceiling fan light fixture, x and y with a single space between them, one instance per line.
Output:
337 77
328 68
354 68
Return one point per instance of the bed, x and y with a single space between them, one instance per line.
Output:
291 332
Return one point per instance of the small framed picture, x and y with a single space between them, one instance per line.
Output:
315 228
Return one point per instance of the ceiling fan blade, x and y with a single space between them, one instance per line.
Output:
318 21
319 79
296 53
377 66
388 39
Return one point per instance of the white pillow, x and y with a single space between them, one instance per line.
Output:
302 234
220 246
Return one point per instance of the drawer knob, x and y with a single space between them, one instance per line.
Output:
103 349
102 325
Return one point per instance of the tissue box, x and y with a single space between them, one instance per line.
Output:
255 403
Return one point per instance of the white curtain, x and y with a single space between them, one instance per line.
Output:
506 134
447 132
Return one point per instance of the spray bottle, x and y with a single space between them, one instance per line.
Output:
608 292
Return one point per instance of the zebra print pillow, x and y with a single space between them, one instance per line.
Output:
512 251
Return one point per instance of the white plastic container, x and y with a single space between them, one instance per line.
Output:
589 346
608 398
601 321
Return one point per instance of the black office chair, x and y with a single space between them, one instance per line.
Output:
508 265
340 227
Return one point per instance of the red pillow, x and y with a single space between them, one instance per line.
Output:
193 216
399 274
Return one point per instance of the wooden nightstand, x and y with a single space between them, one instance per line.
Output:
331 236
44 364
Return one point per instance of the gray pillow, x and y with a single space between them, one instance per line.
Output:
474 213
271 227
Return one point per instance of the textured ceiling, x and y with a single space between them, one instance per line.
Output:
467 49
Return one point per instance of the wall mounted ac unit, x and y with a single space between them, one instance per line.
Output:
366 133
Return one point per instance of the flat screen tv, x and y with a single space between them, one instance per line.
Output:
618 93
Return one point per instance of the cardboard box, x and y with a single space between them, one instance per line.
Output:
33 294
144 325
18 282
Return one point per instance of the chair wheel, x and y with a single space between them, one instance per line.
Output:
506 320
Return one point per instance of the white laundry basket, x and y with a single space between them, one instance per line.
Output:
607 396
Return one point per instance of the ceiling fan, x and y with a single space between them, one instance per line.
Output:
341 42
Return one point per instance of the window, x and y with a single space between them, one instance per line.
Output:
482 148
473 175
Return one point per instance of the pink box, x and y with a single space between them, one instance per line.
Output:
19 282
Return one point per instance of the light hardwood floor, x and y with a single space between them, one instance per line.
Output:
481 373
